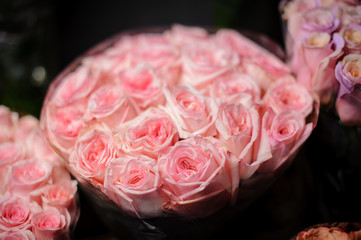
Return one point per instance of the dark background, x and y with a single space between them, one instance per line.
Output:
39 38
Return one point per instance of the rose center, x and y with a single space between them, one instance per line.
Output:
29 172
354 68
354 36
318 40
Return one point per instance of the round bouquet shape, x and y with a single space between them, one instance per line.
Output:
173 129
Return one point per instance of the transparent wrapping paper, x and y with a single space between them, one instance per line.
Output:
185 219
38 197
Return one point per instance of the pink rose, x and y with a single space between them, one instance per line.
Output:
351 33
142 85
134 184
24 127
15 213
233 83
204 60
93 152
286 94
148 134
75 86
18 235
10 153
285 132
192 113
110 105
181 35
63 124
27 175
323 233
348 74
350 14
199 177
7 122
239 128
50 223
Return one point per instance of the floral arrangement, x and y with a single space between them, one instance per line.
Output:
37 195
323 41
172 122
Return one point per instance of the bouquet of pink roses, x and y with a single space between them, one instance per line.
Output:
37 195
173 123
323 41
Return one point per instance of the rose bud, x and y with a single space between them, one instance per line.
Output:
286 94
15 213
198 176
142 85
109 104
348 74
7 121
18 235
134 184
205 60
50 223
148 134
93 152
351 33
192 113
27 175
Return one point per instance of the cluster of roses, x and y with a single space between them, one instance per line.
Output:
323 41
171 122
37 195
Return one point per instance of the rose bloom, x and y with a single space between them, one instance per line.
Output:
348 74
148 134
198 176
351 33
204 60
239 128
142 85
15 213
10 152
109 104
233 83
50 223
63 124
323 233
24 127
286 94
7 121
75 86
18 235
350 14
27 175
180 35
93 152
319 55
134 184
192 113
285 132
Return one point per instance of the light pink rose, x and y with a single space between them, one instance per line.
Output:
75 86
204 60
198 176
148 134
93 152
350 14
15 213
63 124
50 223
24 127
285 132
192 113
233 83
286 94
291 8
59 195
10 153
181 35
249 51
7 121
27 175
134 184
239 128
109 104
142 85
323 233
18 235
